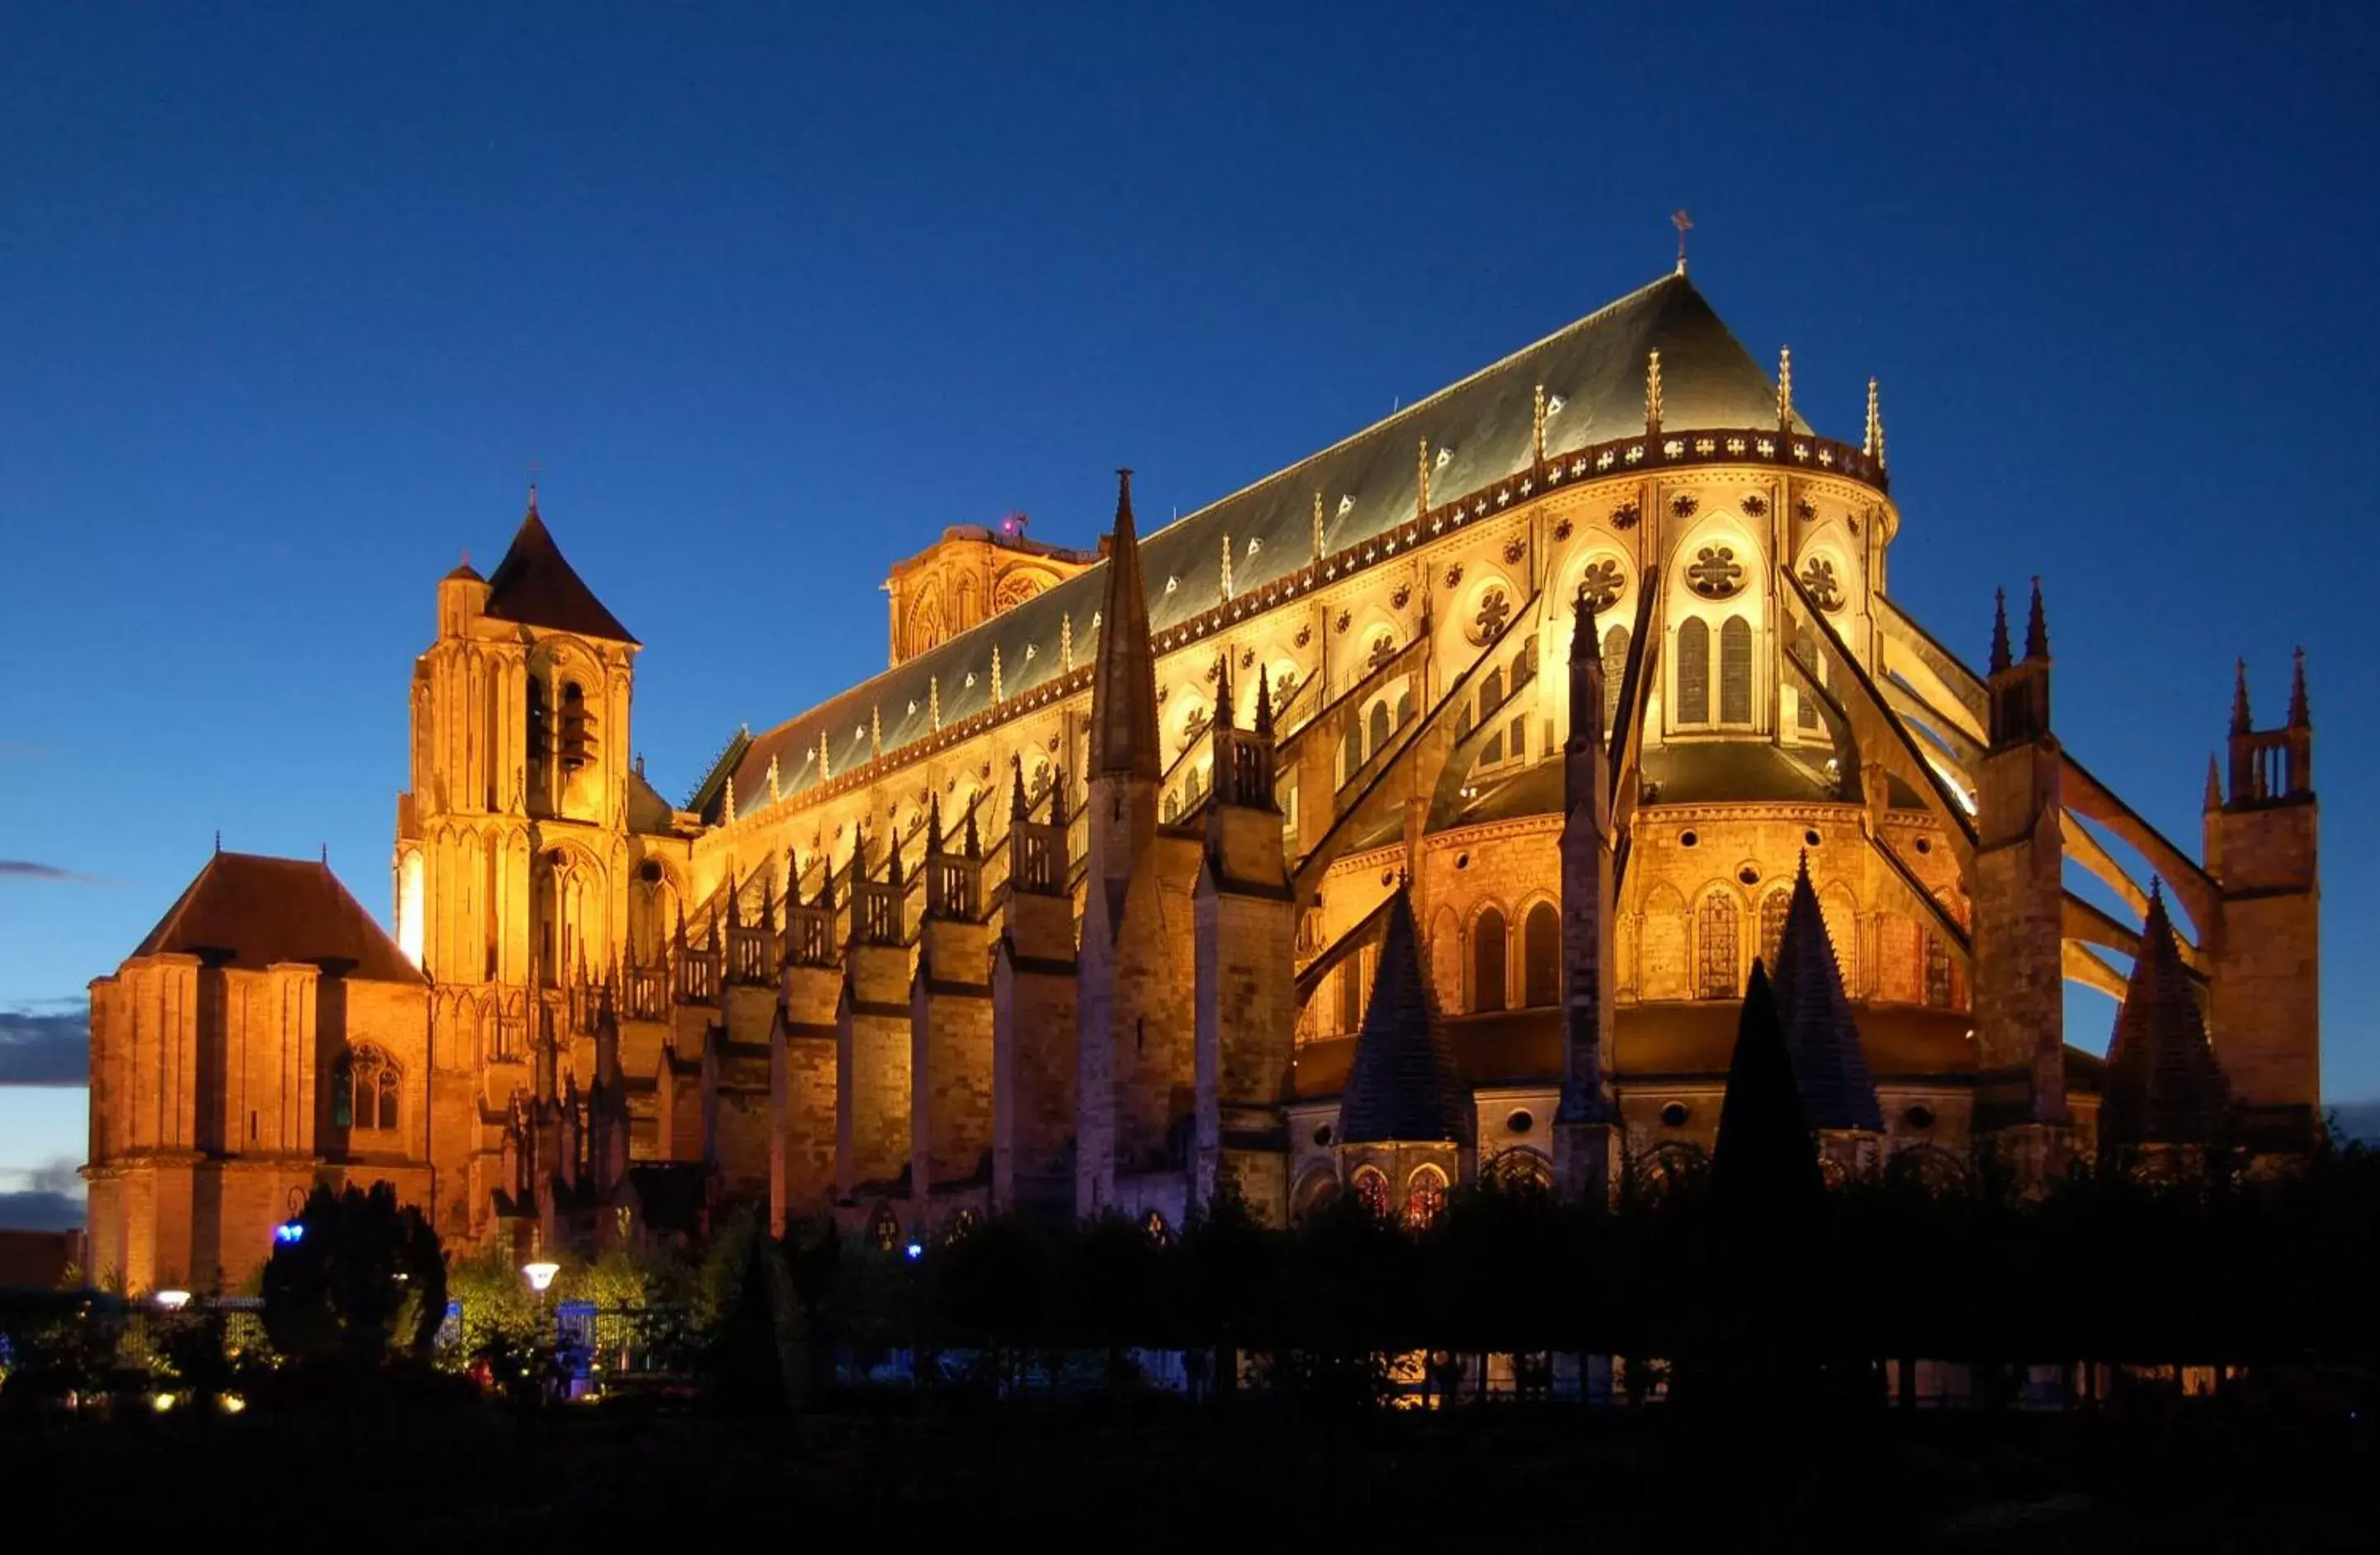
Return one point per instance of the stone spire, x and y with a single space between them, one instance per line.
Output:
1016 789
1317 525
1785 389
2240 723
2036 628
2214 783
1873 444
1404 1084
1653 395
2300 715
1123 687
2163 1086
1830 1066
1264 702
2001 655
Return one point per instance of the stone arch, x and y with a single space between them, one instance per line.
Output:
1930 1168
1425 1195
1671 1164
1664 969
926 626
1017 585
1488 968
1540 953
1317 1189
1719 944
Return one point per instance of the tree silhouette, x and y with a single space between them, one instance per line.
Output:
361 1277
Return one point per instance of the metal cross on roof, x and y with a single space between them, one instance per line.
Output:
1684 224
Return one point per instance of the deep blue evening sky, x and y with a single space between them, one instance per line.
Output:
775 292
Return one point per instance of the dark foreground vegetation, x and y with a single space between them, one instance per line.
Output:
1746 1340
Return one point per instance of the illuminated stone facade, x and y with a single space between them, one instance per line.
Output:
1080 906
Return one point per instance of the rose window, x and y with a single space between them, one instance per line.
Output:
1603 583
1716 573
1494 609
1818 577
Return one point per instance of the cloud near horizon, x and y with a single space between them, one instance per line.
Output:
47 1044
26 869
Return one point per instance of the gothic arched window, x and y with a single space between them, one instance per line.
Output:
1487 936
1377 728
1937 971
1715 923
1351 755
1693 671
1615 667
1405 707
1735 671
541 737
1371 1187
1351 993
577 739
364 1085
1772 924
1807 648
1541 957
1425 1195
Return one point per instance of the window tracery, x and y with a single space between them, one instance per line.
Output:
1715 573
364 1087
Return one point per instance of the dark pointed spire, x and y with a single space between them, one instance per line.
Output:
1764 1166
1404 1084
2163 1086
973 845
1582 643
1224 712
734 906
2001 657
2036 628
1123 685
893 857
1831 1067
934 826
2240 723
1016 789
2301 716
1057 795
1264 702
2214 783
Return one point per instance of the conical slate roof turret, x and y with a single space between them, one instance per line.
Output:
1123 687
1831 1067
2163 1086
1764 1164
1404 1084
534 586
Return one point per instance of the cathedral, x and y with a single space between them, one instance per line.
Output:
1415 814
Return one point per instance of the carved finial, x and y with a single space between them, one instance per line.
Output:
1873 444
892 855
875 730
776 792
996 682
1317 525
2001 657
1684 224
727 803
1227 566
533 468
2300 715
934 826
2214 783
2036 628
1066 644
934 701
1223 710
1015 790
1538 425
1581 637
1421 481
2240 723
218 839
825 759
1785 389
1264 702
1653 395
973 845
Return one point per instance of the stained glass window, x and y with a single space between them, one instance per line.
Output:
1694 671
1735 671
1717 922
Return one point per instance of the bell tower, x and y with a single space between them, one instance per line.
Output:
2263 847
505 838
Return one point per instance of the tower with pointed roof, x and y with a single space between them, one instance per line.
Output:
2262 845
2165 1095
1406 1125
1830 1066
1134 1051
1243 929
2018 893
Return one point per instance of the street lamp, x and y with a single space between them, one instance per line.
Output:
540 1274
173 1301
